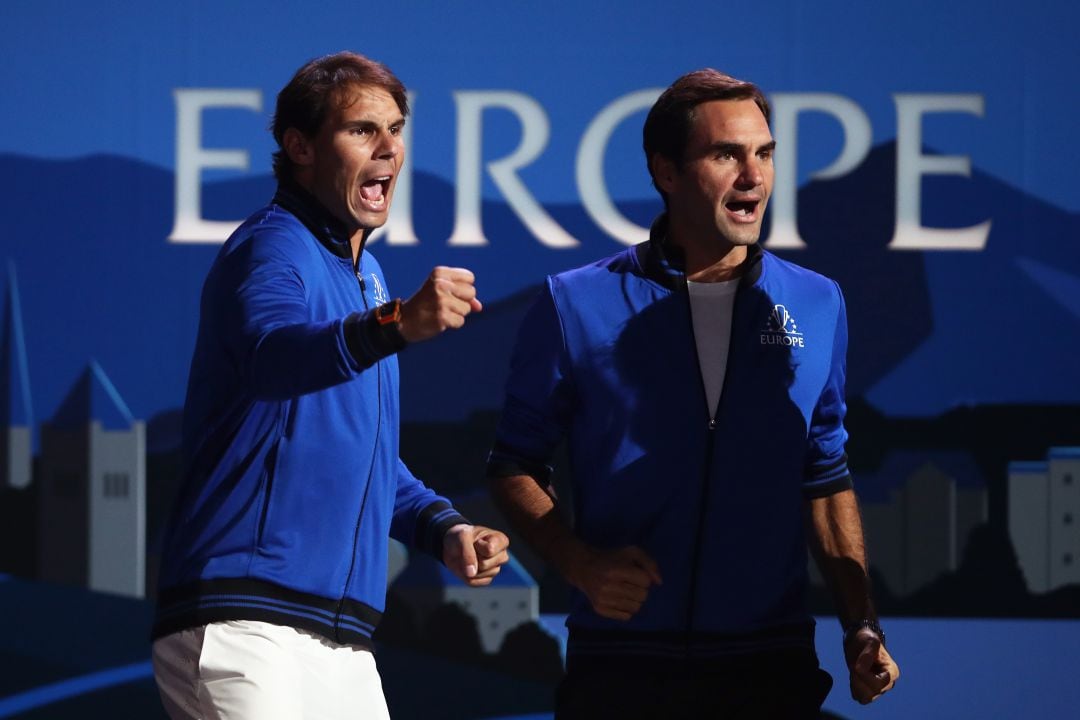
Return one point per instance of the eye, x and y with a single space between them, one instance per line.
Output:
359 131
765 154
395 130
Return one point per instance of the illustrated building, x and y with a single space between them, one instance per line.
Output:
16 423
510 600
92 496
397 559
1044 518
918 530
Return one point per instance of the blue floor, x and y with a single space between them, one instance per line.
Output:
951 668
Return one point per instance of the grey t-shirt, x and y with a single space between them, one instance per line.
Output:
711 306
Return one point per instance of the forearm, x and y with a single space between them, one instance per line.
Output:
305 357
532 512
836 540
616 581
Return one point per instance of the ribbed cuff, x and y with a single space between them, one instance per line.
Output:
432 525
369 341
504 462
827 477
812 491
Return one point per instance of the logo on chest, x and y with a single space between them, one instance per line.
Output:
780 329
378 290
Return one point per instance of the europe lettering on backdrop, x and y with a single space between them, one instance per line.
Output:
191 158
911 166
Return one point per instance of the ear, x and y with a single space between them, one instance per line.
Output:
298 148
664 173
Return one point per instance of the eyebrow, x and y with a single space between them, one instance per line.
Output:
371 124
732 147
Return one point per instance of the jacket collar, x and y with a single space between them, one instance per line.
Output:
665 263
326 228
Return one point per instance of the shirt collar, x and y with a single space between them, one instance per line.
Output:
665 262
326 228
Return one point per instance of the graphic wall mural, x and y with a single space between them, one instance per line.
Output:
924 161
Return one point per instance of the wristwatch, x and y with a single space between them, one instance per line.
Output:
389 313
871 625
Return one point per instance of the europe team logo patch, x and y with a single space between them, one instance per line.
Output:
378 290
780 329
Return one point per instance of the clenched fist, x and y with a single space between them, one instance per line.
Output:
873 671
442 302
475 553
617 582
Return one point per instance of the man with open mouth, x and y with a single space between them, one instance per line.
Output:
274 565
699 383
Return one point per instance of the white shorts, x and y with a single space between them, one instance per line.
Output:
249 670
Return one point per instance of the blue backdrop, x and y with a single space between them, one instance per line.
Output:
928 149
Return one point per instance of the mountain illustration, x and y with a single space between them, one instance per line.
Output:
929 330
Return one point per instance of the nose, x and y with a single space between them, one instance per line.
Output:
389 146
751 174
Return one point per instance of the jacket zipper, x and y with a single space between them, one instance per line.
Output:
371 470
710 446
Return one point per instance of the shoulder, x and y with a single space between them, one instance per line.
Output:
794 277
270 233
590 277
798 292
271 243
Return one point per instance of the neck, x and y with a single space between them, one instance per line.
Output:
356 242
713 260
340 228
719 271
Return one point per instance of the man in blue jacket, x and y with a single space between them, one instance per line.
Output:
699 383
274 565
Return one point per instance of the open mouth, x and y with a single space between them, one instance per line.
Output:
374 192
742 209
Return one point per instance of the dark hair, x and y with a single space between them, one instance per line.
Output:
305 102
667 127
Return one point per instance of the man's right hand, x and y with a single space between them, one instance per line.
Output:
873 671
442 302
616 582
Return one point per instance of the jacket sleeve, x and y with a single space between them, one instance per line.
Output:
539 395
421 518
826 470
278 348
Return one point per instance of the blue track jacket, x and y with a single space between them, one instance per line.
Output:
292 480
606 359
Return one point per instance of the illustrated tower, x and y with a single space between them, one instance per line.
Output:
921 532
1044 518
92 502
16 422
512 598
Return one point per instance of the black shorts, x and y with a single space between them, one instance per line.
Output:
781 684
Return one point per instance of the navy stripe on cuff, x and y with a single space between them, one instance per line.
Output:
369 341
812 491
504 462
432 524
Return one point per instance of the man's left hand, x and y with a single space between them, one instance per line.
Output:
475 553
873 671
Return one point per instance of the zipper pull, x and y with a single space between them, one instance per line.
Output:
712 423
360 277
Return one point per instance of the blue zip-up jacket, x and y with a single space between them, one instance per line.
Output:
606 359
292 480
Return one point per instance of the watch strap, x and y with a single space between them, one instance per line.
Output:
867 624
